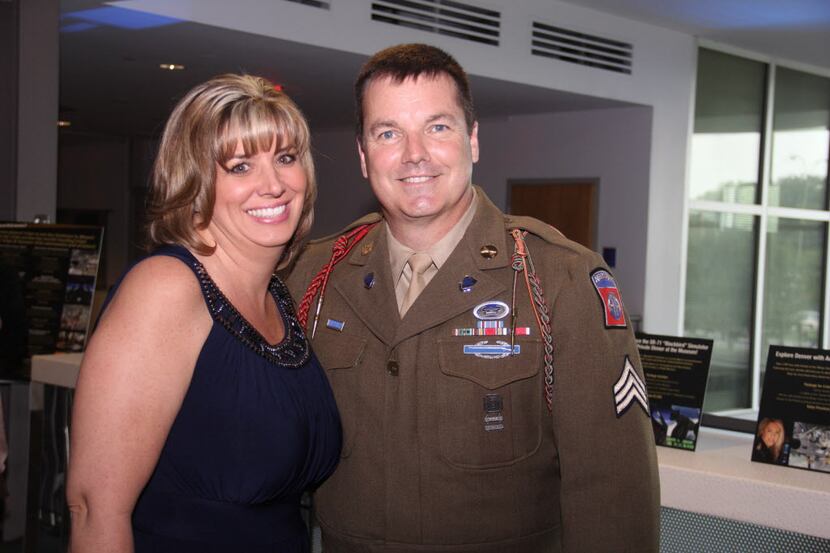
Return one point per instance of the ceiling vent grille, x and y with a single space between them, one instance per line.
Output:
444 17
313 3
581 48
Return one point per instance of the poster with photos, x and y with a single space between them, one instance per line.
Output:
676 370
48 273
793 426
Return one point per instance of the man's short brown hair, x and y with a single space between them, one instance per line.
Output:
203 131
406 61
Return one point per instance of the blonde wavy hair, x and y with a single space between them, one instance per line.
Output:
203 131
777 427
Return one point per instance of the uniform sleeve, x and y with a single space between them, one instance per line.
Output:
610 495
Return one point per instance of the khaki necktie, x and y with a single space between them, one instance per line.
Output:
419 263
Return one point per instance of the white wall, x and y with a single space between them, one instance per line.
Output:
343 194
662 78
37 131
610 145
93 173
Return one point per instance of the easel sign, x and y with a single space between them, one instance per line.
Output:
49 274
676 369
794 419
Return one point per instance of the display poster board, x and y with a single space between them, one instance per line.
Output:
794 418
48 277
676 370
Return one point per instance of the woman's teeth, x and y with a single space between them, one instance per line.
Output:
266 213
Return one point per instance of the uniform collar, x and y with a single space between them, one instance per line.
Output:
439 252
367 278
487 230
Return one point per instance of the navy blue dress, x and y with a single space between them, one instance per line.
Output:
257 427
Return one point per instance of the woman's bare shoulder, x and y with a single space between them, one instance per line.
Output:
159 286
157 309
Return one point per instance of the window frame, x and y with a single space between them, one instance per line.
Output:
738 419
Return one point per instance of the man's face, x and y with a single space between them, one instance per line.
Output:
416 151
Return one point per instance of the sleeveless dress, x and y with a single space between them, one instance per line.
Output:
258 426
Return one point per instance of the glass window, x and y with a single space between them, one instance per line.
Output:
743 305
719 299
801 140
729 118
792 284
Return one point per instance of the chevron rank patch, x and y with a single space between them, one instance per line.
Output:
629 389
609 295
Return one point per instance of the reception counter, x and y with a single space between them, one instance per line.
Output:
58 369
719 480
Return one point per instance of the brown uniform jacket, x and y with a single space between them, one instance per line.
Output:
425 467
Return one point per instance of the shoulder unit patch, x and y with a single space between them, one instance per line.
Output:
609 295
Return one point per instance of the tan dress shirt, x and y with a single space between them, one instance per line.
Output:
439 252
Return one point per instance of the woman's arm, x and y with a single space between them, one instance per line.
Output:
132 381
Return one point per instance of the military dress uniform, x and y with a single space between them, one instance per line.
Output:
449 444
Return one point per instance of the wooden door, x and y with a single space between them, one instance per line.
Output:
570 206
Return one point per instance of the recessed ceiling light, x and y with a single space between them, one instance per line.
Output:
171 66
62 123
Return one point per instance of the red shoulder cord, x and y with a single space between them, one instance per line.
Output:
342 246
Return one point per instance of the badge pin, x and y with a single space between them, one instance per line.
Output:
367 248
485 350
335 325
488 251
609 295
492 403
629 389
369 280
491 310
493 418
466 284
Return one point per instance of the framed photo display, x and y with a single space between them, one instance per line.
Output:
793 426
676 370
48 275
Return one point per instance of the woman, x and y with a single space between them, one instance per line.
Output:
769 442
200 413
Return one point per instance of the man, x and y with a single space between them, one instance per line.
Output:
489 386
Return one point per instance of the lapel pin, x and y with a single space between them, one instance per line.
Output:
369 280
367 248
335 325
466 284
488 251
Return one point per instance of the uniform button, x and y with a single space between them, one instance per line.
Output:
488 251
392 367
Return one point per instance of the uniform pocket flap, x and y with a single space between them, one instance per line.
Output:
344 352
487 363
